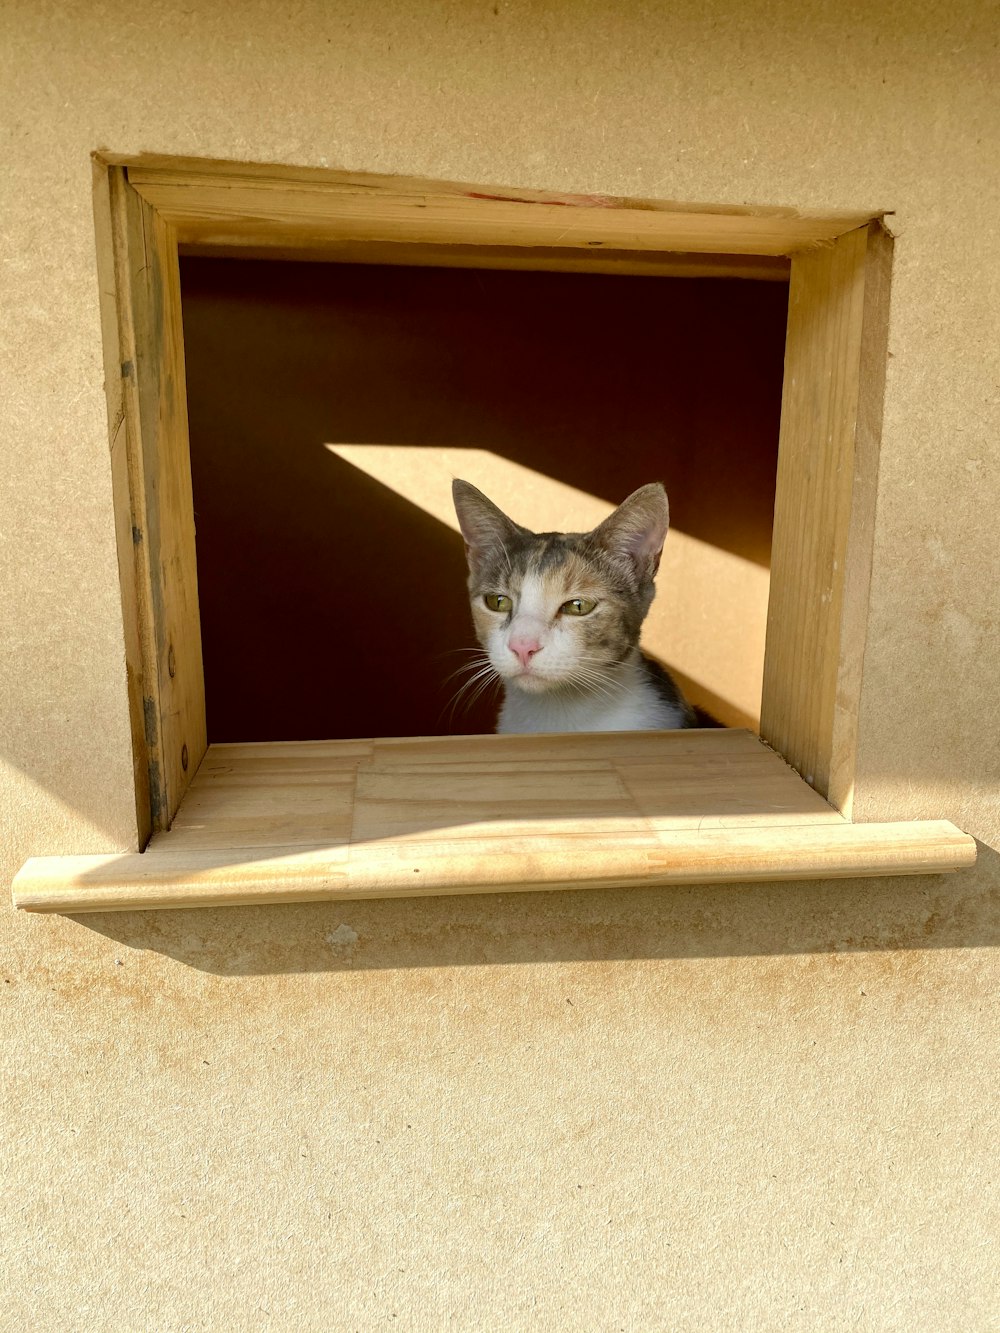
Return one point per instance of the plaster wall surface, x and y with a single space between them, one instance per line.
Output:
771 1107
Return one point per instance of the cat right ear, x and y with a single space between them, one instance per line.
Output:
484 527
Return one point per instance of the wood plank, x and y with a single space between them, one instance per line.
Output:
281 175
301 831
806 660
146 168
116 333
313 209
427 803
133 521
160 594
860 542
286 755
712 797
481 814
495 865
237 801
265 800
550 259
566 747
179 639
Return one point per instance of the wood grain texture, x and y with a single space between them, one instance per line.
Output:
860 539
210 205
481 814
153 507
811 669
117 333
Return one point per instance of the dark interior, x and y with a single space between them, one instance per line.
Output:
331 606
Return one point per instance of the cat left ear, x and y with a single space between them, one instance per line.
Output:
637 529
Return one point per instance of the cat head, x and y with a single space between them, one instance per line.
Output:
560 609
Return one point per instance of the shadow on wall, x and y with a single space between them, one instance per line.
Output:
702 921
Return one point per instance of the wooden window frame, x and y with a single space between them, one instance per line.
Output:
838 268
830 419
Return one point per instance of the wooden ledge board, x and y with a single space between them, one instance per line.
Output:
322 821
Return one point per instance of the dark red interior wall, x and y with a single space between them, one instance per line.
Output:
330 605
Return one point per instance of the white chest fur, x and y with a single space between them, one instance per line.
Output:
630 704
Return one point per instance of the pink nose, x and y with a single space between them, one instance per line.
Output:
524 649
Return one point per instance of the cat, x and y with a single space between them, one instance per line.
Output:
558 616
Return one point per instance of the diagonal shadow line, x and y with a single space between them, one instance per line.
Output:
458 349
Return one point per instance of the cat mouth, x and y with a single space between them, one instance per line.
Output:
531 681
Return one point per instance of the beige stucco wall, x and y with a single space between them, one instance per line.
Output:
713 1108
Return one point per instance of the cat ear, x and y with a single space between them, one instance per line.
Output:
637 529
484 526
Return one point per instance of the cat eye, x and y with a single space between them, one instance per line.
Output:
577 606
496 601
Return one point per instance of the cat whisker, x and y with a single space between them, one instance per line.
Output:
576 684
482 672
597 682
467 703
592 688
484 676
480 660
489 683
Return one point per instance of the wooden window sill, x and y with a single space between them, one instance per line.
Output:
322 821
